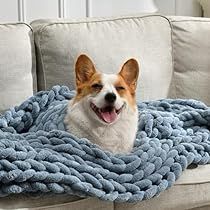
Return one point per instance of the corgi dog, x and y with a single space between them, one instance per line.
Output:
104 109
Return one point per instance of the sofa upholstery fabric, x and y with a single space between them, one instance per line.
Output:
109 42
17 64
53 202
191 50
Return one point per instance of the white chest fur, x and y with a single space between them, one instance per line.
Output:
117 137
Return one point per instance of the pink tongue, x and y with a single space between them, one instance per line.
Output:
109 117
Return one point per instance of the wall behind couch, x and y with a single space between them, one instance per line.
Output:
28 10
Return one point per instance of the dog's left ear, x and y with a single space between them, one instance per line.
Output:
84 69
130 73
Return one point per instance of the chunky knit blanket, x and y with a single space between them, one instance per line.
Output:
37 155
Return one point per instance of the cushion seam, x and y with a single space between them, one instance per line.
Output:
40 30
7 24
194 183
42 64
203 21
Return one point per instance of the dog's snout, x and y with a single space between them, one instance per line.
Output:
110 97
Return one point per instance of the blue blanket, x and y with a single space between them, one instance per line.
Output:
37 155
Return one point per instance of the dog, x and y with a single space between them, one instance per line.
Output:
104 109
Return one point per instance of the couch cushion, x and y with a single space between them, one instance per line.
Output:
109 42
17 64
191 47
53 202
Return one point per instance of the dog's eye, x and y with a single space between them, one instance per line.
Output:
118 88
97 86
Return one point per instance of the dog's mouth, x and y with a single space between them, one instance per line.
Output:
108 114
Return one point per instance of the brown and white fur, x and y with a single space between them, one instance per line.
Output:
104 109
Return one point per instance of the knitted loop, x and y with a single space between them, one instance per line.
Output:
38 155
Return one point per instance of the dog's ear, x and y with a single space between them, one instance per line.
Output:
130 73
84 69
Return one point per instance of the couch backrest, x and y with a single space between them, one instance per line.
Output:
17 64
109 42
191 50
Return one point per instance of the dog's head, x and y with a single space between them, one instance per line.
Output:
106 96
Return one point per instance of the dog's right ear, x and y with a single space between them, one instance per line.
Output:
84 69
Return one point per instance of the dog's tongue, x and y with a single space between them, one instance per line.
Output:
109 117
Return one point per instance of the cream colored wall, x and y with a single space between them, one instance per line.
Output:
28 10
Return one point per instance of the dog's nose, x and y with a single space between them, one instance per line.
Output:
110 98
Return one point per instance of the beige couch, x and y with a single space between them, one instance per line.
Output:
174 56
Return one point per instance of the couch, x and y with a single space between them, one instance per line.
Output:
173 53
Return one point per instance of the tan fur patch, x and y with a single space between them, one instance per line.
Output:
129 73
128 93
86 88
